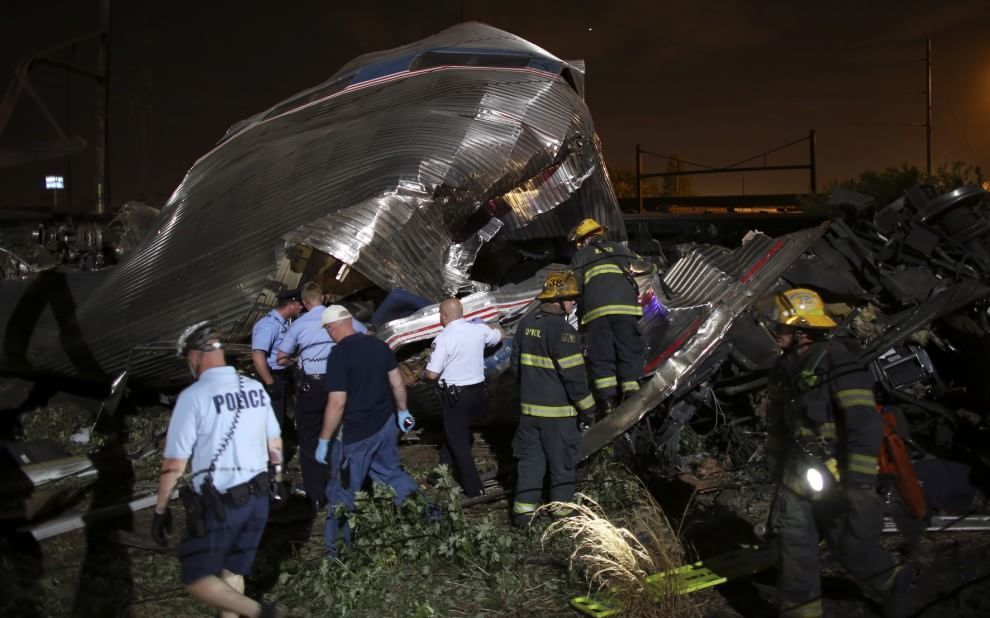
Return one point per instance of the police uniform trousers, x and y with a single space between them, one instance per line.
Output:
851 524
281 382
616 354
311 402
458 417
542 441
376 456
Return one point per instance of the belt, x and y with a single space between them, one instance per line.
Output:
465 387
238 494
314 377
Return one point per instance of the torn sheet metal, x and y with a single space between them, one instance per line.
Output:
709 289
403 166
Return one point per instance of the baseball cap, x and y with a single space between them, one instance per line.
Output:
334 313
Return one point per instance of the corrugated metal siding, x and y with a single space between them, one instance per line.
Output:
378 175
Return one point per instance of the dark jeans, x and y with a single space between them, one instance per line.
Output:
616 354
540 441
310 406
456 450
376 456
852 528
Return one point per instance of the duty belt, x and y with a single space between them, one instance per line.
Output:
239 494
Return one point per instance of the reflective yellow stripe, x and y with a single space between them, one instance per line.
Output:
570 361
604 310
827 430
532 360
805 431
630 386
864 464
856 397
521 508
601 269
586 403
606 382
531 409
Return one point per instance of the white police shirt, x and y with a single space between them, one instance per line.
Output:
459 352
203 418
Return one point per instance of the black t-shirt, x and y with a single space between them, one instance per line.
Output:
359 366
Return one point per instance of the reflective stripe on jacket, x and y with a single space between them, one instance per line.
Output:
606 289
547 360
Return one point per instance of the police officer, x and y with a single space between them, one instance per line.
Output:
825 434
609 311
224 423
266 336
458 361
553 390
367 403
307 341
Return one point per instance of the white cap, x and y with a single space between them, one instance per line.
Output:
334 313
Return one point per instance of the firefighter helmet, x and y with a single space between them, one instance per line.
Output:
559 285
202 336
800 307
587 227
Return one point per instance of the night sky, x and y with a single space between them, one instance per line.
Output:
715 81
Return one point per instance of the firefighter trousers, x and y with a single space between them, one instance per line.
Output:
540 441
851 525
616 354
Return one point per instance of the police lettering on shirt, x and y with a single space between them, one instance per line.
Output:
240 400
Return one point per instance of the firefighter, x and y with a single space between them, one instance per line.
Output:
824 437
609 311
554 397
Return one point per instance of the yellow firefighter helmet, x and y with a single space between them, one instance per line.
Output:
801 307
587 227
559 285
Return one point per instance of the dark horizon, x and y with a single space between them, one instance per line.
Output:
714 82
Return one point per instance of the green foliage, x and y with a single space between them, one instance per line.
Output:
413 560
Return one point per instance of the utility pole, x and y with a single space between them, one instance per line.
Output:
102 147
811 162
928 110
639 193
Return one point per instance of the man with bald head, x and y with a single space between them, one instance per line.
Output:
458 361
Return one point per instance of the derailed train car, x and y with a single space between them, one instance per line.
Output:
450 165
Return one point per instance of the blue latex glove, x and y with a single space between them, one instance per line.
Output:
406 421
321 450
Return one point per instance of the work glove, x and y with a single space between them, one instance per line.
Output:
321 450
586 418
161 526
406 421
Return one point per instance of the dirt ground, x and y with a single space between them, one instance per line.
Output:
112 569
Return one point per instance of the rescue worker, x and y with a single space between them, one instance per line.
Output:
457 360
307 341
824 437
609 311
554 398
266 336
367 404
224 422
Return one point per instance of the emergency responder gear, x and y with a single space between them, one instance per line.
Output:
821 409
553 386
587 227
802 308
610 312
202 336
559 286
